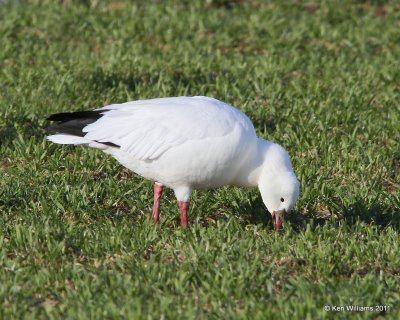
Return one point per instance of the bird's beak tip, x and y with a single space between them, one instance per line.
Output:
277 220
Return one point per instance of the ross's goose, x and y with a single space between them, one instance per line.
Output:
185 143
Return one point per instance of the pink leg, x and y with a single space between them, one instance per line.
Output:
183 208
158 190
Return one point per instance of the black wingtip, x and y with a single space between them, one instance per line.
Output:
67 116
72 123
57 116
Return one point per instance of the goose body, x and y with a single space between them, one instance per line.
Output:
184 143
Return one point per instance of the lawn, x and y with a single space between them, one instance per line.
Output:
320 78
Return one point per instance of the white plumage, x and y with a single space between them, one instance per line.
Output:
185 143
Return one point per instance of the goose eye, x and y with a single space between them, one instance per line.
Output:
282 199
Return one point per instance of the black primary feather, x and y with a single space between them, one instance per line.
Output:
73 123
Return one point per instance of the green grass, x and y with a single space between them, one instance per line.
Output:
320 78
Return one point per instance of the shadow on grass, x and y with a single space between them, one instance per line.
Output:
253 211
380 214
377 214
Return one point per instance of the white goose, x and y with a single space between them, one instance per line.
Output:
185 143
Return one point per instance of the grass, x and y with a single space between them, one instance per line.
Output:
320 78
